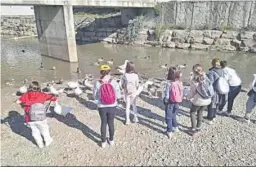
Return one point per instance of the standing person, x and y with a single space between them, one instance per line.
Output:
251 102
173 95
35 113
200 94
106 92
220 86
130 84
234 86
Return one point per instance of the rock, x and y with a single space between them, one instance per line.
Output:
179 35
249 43
170 44
236 43
182 45
208 41
195 40
245 35
229 34
252 49
197 46
215 34
222 41
152 43
101 34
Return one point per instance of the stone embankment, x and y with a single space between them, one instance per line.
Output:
110 30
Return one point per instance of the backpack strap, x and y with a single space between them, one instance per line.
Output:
101 82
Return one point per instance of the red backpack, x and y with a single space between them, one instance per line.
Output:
107 93
176 92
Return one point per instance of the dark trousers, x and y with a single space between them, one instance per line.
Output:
196 115
107 116
211 112
233 93
171 112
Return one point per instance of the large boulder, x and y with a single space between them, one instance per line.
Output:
216 34
245 35
224 44
229 34
236 43
171 44
208 41
197 46
179 36
165 37
182 45
251 44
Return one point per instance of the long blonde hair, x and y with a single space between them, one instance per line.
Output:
199 74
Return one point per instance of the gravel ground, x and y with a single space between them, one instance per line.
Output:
228 142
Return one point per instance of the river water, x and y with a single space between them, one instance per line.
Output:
19 66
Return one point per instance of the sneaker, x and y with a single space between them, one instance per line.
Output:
49 142
176 129
112 143
127 122
169 134
210 122
220 112
228 114
198 128
136 120
103 144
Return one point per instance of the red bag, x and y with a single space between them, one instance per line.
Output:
107 93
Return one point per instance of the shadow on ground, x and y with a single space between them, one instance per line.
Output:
15 121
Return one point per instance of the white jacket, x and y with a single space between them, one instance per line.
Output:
232 77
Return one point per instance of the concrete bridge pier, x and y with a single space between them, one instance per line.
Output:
56 33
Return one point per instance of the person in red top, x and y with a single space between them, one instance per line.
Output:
34 95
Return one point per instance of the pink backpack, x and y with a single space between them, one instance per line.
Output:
176 92
107 93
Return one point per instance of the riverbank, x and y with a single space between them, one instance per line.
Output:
108 28
228 142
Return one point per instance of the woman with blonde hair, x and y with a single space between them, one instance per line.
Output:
201 92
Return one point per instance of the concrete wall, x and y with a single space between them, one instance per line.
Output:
55 28
210 15
17 10
96 3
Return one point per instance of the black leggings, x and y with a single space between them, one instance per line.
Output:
107 116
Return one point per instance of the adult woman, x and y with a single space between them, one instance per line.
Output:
106 92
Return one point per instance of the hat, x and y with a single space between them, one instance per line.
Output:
105 67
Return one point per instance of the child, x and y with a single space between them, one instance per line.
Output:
251 102
234 86
106 92
215 73
201 91
173 95
130 82
35 113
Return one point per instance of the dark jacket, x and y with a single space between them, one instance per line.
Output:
214 74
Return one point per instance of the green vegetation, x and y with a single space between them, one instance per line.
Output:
158 8
223 28
159 30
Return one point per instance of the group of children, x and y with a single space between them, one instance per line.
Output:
207 91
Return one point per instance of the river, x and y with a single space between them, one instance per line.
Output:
19 66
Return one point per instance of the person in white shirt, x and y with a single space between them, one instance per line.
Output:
234 86
130 84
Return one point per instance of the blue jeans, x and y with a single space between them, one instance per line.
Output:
171 112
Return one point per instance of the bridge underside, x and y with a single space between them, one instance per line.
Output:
56 34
